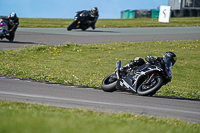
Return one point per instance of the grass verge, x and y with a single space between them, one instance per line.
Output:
87 65
114 23
19 117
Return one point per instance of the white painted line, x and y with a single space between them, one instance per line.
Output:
97 102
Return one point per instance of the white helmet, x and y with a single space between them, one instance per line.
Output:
13 15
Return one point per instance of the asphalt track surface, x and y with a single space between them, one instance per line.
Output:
56 36
14 89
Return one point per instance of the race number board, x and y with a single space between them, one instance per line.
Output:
164 14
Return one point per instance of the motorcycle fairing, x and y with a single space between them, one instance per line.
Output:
80 20
131 82
124 84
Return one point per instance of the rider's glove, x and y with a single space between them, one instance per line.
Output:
131 64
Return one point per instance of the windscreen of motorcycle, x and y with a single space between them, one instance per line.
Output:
83 14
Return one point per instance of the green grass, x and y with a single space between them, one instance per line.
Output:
87 65
18 117
118 23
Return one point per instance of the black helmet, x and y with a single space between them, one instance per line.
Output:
170 56
12 15
94 10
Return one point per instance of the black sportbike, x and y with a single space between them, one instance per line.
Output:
145 80
4 33
80 21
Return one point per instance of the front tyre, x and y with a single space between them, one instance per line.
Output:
150 88
109 83
71 26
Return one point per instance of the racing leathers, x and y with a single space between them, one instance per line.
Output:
93 19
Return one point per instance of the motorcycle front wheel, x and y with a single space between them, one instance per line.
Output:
71 26
109 83
151 88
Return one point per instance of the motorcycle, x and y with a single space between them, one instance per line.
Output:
3 29
145 80
80 21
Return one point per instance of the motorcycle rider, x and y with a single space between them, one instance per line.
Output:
168 57
13 22
93 16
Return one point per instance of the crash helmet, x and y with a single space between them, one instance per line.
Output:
94 10
170 56
12 15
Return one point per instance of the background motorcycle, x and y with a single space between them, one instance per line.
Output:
4 33
145 80
80 21
3 29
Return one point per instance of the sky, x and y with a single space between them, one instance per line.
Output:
68 8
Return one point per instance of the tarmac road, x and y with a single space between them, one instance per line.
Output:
56 36
95 99
72 96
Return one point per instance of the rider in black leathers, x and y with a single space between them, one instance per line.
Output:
167 57
13 22
93 16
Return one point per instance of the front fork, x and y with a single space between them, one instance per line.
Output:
149 80
117 68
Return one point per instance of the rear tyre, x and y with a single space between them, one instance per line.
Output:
11 36
109 83
151 88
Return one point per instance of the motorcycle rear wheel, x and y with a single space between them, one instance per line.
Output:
150 89
109 84
11 36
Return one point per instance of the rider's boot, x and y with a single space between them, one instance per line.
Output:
93 26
